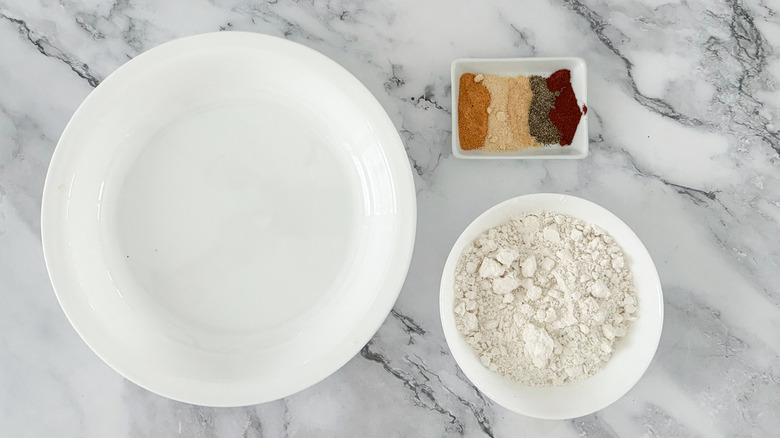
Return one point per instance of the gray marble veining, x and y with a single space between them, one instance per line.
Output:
685 148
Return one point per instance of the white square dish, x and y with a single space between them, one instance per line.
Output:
527 67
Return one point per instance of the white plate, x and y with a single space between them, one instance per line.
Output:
228 218
632 354
527 67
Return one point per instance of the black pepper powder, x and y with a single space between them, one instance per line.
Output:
543 100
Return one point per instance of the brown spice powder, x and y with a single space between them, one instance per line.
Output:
473 102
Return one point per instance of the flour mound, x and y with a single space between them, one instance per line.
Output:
543 298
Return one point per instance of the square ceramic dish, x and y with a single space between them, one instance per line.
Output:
524 66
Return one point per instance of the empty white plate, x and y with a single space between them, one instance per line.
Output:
228 218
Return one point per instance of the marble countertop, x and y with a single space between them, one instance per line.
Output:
684 147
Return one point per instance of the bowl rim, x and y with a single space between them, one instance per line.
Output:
525 399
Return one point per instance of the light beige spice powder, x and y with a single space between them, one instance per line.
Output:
510 103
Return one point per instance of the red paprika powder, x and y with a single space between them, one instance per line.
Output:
566 114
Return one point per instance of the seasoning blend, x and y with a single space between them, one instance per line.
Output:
509 113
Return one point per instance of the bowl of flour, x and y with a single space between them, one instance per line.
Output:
551 306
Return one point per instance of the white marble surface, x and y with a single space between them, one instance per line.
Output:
684 147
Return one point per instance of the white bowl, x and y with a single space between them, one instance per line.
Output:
228 218
633 352
527 67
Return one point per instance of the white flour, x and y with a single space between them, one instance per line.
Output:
543 298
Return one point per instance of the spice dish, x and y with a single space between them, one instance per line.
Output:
631 355
228 218
520 108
